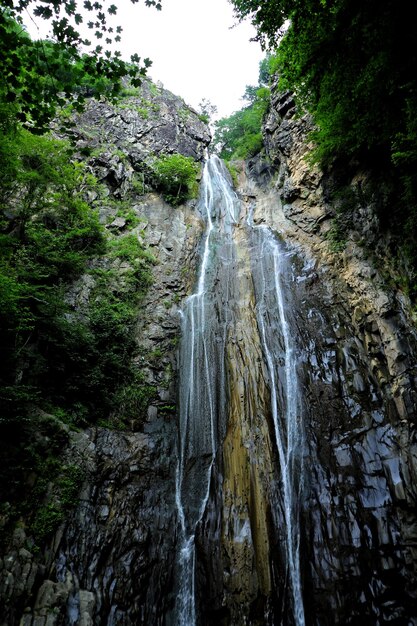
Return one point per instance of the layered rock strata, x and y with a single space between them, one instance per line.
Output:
111 561
357 342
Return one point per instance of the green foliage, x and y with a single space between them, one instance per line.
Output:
35 484
132 400
47 234
166 409
46 521
139 183
58 366
175 177
336 238
92 359
69 484
268 17
143 106
66 482
206 110
78 367
128 92
233 172
127 212
203 117
352 65
239 136
39 76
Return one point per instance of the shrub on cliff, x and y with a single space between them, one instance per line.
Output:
239 136
52 357
175 177
47 234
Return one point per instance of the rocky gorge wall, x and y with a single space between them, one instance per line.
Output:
112 561
357 342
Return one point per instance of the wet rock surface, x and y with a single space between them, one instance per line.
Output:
358 354
104 565
359 511
111 560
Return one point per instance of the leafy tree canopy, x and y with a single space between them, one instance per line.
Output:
353 65
38 76
206 110
268 17
239 136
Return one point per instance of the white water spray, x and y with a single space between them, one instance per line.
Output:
285 413
202 372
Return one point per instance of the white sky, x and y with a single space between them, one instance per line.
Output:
195 51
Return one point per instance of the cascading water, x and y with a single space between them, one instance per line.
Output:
209 326
269 266
205 319
268 337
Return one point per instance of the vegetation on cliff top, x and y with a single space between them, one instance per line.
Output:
239 136
39 76
352 65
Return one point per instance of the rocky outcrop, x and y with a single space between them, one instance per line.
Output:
111 560
140 126
353 454
358 347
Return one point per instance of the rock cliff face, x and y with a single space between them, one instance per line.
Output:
311 524
143 124
357 341
111 562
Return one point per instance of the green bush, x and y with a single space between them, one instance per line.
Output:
175 178
47 520
47 235
75 365
49 356
239 136
66 483
233 172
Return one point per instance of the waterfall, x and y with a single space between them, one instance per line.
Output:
207 327
270 266
205 319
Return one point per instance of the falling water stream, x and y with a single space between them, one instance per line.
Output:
207 319
278 347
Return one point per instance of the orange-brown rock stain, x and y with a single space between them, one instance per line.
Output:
247 451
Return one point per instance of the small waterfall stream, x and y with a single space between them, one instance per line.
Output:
207 327
202 381
270 265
